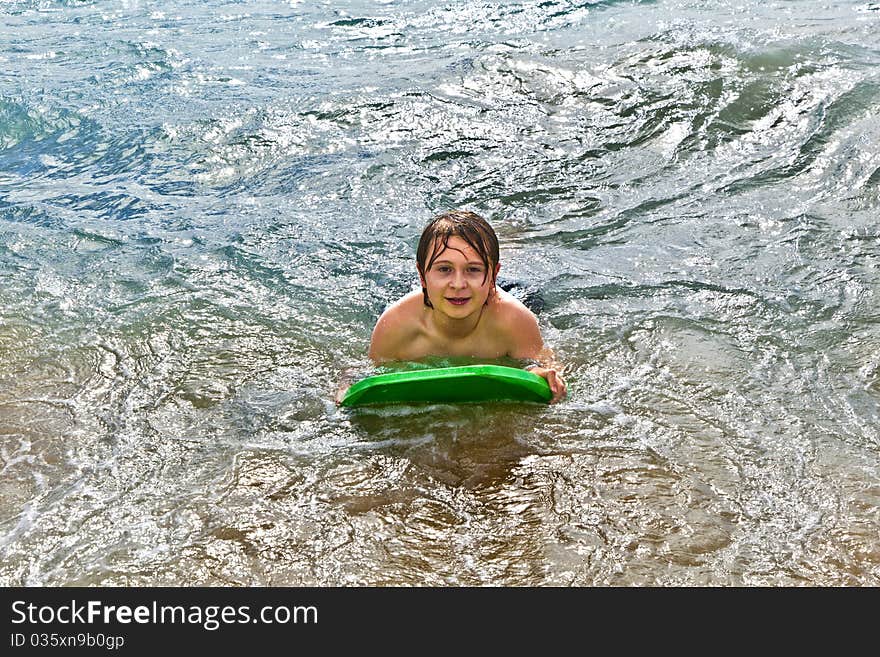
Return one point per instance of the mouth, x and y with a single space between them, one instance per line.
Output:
458 301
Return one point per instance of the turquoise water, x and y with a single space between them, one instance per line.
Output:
204 206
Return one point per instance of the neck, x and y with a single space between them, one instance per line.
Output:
456 329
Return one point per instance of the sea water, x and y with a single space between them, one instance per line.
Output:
204 207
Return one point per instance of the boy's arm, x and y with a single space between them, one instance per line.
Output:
385 340
530 345
344 384
382 348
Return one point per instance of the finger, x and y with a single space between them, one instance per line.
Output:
556 384
559 388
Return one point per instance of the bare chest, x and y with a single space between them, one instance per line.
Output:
482 343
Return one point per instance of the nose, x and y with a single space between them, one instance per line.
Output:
459 280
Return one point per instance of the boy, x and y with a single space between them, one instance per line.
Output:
460 311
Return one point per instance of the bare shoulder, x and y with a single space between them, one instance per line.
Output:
509 309
396 327
518 325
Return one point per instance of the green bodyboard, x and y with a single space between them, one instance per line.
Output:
444 385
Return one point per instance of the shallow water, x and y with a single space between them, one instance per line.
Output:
204 206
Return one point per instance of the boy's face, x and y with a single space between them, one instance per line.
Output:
455 281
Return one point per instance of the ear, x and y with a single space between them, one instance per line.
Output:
421 276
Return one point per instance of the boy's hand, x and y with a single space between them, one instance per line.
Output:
555 380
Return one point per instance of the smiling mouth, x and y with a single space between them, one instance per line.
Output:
458 301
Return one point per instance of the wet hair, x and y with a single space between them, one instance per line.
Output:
470 227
